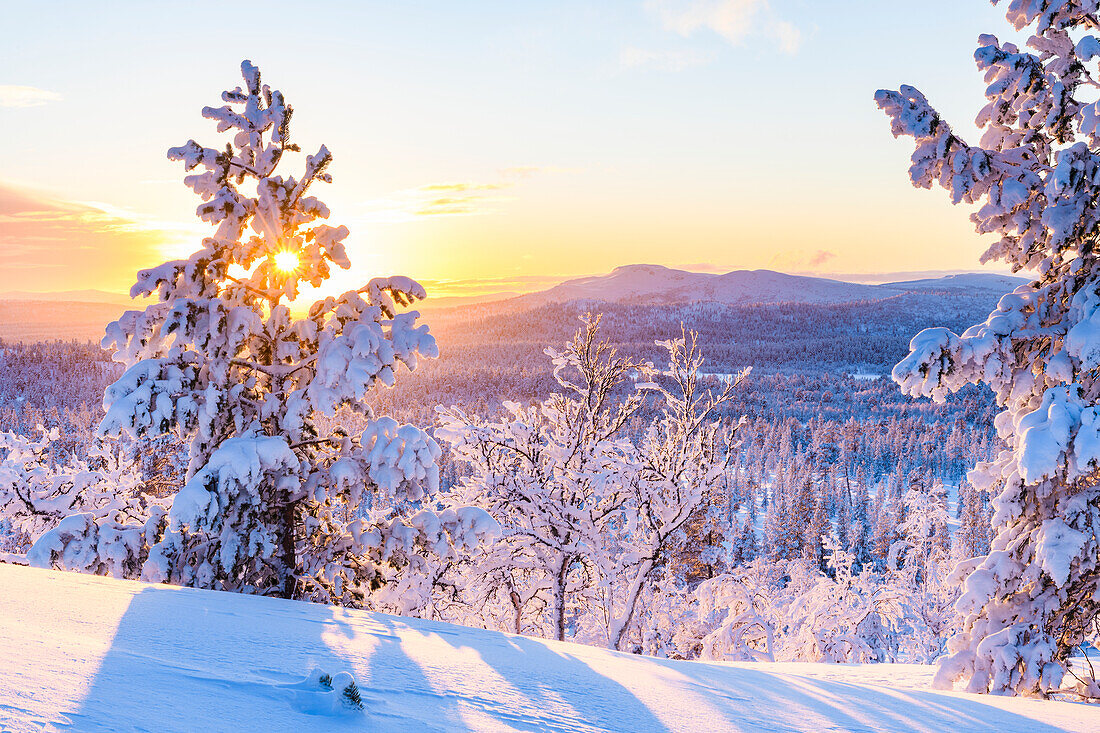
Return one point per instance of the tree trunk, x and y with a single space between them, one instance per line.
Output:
559 600
617 627
517 605
288 551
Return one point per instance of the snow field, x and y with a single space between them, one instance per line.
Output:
84 653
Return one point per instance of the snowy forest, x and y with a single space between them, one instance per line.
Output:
906 479
826 455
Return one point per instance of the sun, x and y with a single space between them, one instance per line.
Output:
286 261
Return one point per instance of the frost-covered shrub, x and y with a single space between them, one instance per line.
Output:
770 610
739 613
592 514
42 481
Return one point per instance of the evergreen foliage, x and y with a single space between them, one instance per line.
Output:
275 501
1035 176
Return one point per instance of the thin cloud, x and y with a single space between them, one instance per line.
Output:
733 20
451 206
820 257
450 198
800 260
521 171
462 198
473 287
462 187
21 96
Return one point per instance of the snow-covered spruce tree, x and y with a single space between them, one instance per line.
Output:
1036 175
270 504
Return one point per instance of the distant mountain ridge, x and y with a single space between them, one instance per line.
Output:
83 314
657 284
967 281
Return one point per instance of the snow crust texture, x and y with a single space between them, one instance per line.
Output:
85 653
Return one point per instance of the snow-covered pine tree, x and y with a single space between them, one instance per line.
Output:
743 542
972 537
860 531
1036 176
271 505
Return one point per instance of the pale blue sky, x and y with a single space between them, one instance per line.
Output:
573 136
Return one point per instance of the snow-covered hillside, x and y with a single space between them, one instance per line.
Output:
645 284
658 284
82 315
967 282
92 654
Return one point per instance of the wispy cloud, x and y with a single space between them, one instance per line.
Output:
477 287
820 257
70 244
733 20
20 96
632 57
462 188
436 199
521 171
461 198
452 198
800 260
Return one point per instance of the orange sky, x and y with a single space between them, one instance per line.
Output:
502 149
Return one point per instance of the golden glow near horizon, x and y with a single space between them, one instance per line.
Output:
451 164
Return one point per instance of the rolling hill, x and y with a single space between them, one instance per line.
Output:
656 284
82 315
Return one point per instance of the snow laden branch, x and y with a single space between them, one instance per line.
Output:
272 504
553 475
49 495
778 610
1035 177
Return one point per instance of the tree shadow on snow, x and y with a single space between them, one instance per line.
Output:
546 688
746 697
190 660
619 695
